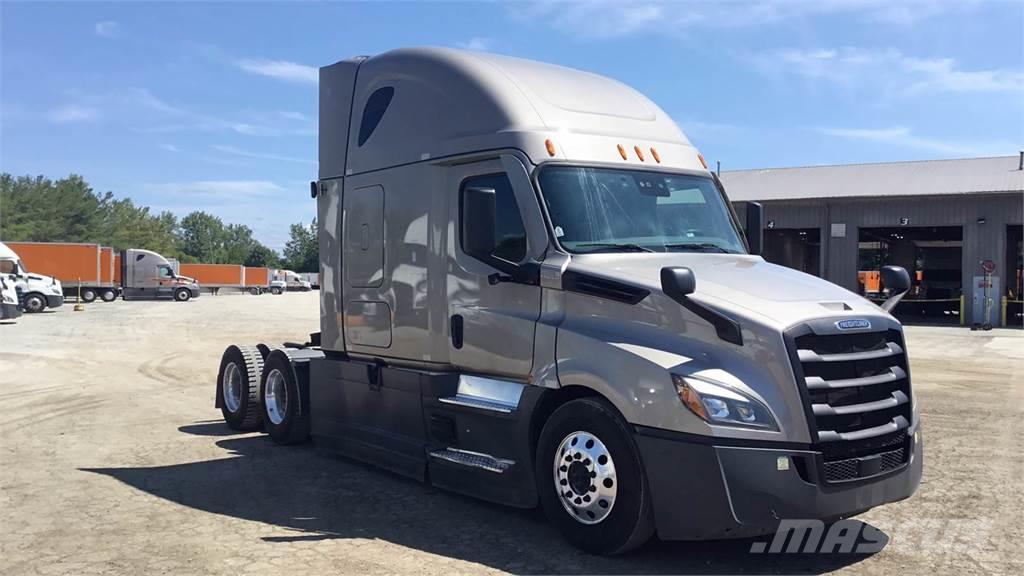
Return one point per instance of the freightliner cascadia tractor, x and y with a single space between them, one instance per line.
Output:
534 292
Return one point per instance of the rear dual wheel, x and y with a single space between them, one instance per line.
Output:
591 482
108 295
238 387
284 400
88 295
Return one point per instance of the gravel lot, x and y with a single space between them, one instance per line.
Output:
114 461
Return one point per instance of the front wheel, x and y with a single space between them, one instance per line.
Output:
182 295
275 290
590 479
34 303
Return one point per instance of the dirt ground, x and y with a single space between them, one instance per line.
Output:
114 461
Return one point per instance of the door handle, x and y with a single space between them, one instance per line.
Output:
456 331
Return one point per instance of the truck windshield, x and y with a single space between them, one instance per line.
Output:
610 210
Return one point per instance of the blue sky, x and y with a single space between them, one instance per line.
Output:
212 106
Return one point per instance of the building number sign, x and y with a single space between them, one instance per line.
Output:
904 221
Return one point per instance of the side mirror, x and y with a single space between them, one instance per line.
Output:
755 228
478 222
897 280
677 282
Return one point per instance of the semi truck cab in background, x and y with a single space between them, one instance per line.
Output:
9 307
535 292
36 292
146 275
289 280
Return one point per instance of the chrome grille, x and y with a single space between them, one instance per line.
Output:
858 399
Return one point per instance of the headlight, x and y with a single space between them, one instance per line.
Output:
718 404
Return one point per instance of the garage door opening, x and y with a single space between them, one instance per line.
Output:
797 248
1014 306
933 257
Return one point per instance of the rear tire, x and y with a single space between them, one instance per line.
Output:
88 295
182 295
34 303
238 387
108 295
591 482
284 400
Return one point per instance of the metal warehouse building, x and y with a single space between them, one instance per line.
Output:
955 225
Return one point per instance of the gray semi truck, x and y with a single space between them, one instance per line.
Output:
535 292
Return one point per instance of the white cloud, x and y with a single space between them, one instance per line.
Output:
895 72
599 20
903 137
260 155
170 147
107 28
478 43
71 113
280 69
228 190
293 115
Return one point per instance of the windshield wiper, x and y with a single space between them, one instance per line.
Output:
702 247
623 247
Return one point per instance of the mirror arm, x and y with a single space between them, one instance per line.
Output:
726 327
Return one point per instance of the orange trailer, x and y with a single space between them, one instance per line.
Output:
85 267
214 275
258 277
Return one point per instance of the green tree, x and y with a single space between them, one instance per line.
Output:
202 237
302 252
260 255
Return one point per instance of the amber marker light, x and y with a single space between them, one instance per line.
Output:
622 151
639 153
550 146
654 154
702 161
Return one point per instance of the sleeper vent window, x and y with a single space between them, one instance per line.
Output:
374 110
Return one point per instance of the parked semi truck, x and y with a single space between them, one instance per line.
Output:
91 271
9 307
288 280
35 292
597 333
84 270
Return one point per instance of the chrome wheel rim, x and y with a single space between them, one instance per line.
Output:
585 477
275 396
232 387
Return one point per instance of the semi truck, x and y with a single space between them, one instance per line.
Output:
35 291
596 332
91 271
9 307
85 270
285 280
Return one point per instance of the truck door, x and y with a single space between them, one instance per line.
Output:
492 320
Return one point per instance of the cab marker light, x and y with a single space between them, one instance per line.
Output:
702 161
654 154
622 151
639 153
550 146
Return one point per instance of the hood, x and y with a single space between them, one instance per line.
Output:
743 284
187 279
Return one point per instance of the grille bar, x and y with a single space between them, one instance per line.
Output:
890 349
818 383
895 399
898 423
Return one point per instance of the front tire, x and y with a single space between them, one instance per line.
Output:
284 400
34 303
238 387
182 295
275 291
591 482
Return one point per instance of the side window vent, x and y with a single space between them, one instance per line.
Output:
603 288
376 105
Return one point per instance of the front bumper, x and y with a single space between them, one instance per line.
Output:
54 300
9 311
194 291
703 491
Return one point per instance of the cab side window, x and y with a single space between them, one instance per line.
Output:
164 271
509 230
